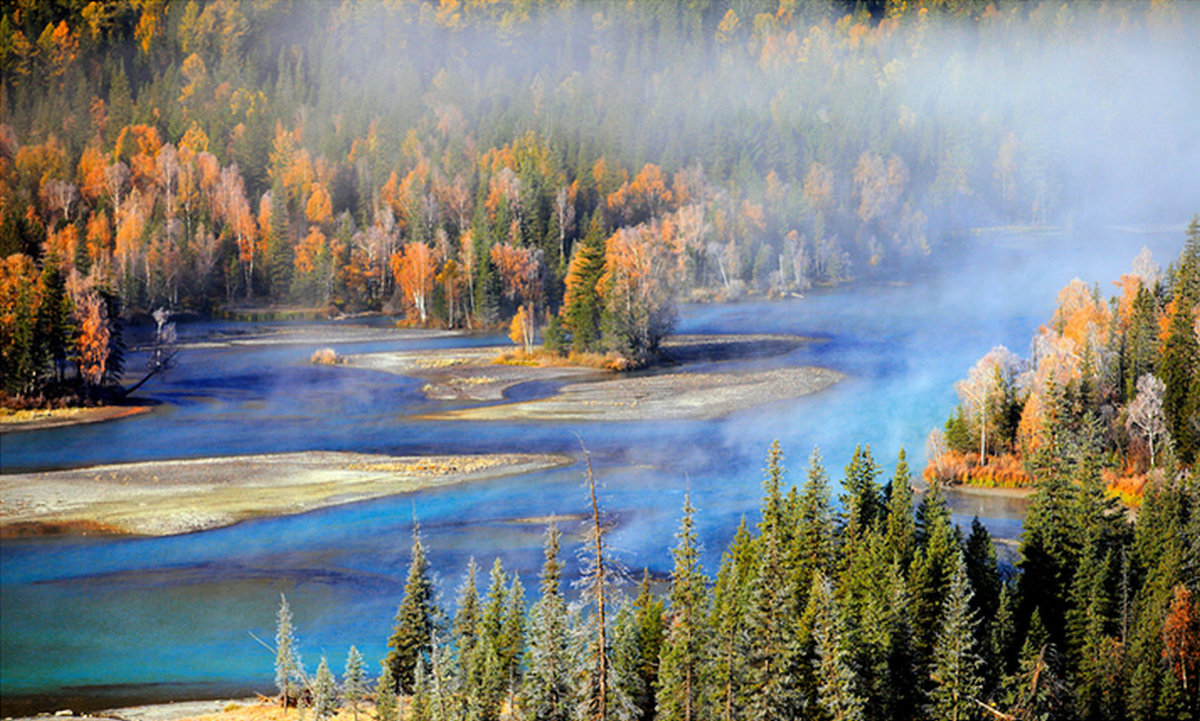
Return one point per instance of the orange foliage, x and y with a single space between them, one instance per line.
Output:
90 174
414 271
1081 315
99 238
1181 638
308 250
1003 471
319 208
94 337
64 243
1129 284
520 270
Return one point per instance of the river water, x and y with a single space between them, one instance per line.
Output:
96 622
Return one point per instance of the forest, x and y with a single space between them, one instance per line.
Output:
1119 380
573 167
875 606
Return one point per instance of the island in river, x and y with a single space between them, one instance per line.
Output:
671 390
160 498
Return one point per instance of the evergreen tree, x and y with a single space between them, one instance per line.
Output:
729 606
386 708
956 663
488 670
649 618
324 692
901 526
354 681
1049 554
1179 371
814 537
410 639
54 328
930 576
839 692
681 685
862 502
547 685
979 554
288 674
582 304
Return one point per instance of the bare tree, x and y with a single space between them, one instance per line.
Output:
1145 417
162 351
986 381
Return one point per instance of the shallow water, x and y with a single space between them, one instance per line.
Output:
90 620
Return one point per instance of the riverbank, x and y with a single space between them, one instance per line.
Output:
41 418
161 498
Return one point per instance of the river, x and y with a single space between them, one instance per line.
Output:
96 622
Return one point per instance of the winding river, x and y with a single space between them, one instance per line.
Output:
96 622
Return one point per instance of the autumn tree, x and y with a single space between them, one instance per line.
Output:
414 269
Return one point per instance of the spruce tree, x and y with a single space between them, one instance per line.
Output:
729 607
386 708
547 684
354 681
288 676
582 303
901 526
862 502
649 618
410 639
979 554
814 538
1179 371
681 683
839 684
956 668
324 691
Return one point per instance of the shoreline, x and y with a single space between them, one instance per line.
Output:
164 498
42 419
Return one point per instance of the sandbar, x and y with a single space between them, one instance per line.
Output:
161 498
662 396
40 419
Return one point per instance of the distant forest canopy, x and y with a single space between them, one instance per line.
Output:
1114 385
471 163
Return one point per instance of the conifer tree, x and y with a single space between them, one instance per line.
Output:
464 630
488 670
386 708
410 639
929 578
814 537
582 304
324 692
901 526
772 651
862 501
354 681
730 599
288 675
681 686
649 619
839 692
979 554
1179 371
547 684
957 684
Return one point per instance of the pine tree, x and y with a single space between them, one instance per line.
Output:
862 501
979 554
649 618
547 685
466 620
813 539
324 692
354 681
410 640
598 576
901 526
288 675
386 708
582 304
956 663
729 607
772 652
681 684
1179 371
488 669
839 692
930 577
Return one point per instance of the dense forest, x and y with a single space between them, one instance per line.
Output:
1120 381
573 166
867 608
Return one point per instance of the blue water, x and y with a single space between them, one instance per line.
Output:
90 619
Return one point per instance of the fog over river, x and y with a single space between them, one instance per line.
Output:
94 622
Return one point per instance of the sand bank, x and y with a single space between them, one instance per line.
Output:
39 419
160 498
